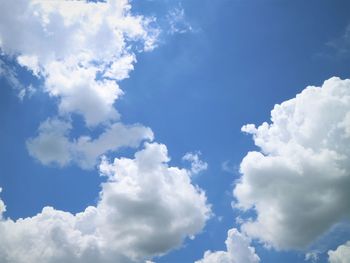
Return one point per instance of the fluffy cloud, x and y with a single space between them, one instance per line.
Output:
53 146
197 165
145 209
79 48
298 184
341 254
238 251
80 92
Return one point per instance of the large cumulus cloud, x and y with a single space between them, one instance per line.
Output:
80 49
145 209
298 184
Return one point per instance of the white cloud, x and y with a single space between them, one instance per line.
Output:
197 165
120 69
79 48
145 209
238 250
298 184
80 92
53 146
341 254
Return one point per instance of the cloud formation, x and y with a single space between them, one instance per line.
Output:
145 209
238 250
298 183
53 146
341 254
79 48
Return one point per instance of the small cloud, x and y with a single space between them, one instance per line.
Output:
9 74
338 47
228 167
197 165
312 256
177 21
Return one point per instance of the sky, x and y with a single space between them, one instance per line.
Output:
175 131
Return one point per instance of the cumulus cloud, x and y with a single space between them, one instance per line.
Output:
298 184
238 250
145 209
341 254
197 165
79 48
80 92
53 145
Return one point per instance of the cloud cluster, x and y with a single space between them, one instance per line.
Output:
145 209
53 146
80 50
238 250
298 184
341 254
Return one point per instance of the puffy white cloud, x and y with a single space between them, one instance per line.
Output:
238 250
298 184
80 92
341 254
145 209
53 146
79 48
197 165
120 69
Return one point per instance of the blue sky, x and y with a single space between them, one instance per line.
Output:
214 66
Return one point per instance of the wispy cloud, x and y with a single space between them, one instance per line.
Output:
177 21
